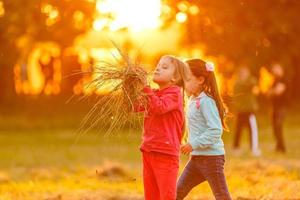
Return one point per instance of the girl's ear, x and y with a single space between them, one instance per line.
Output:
201 79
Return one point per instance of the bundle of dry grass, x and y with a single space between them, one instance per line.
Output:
114 110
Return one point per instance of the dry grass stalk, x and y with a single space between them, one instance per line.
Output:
115 110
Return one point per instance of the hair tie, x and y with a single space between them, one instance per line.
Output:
209 67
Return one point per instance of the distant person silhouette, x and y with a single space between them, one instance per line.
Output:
46 63
245 104
279 98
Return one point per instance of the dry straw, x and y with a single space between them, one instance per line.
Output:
114 110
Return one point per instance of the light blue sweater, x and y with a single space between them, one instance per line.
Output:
205 126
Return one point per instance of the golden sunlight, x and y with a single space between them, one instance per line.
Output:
2 11
78 19
51 12
194 10
266 80
41 73
99 24
181 17
136 15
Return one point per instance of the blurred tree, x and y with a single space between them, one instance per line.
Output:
25 23
256 32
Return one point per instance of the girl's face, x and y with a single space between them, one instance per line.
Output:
164 72
193 84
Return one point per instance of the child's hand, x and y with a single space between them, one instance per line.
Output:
144 81
143 75
186 149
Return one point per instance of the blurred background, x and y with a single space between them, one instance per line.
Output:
43 43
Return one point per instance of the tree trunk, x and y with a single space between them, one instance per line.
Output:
7 87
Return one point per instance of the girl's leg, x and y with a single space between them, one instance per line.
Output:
151 191
216 178
189 178
165 169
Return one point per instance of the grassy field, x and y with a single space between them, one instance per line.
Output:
49 164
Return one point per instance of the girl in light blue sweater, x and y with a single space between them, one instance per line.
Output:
206 120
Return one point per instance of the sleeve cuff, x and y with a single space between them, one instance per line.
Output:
147 89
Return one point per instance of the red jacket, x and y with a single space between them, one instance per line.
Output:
164 120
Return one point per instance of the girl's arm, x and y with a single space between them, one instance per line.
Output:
214 131
162 104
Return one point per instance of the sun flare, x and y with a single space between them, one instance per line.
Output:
135 15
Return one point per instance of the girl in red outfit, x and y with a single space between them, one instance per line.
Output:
163 126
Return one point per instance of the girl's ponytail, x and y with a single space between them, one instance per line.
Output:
215 94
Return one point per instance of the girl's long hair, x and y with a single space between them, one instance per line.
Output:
210 86
180 76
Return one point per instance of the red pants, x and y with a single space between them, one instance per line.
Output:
160 176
